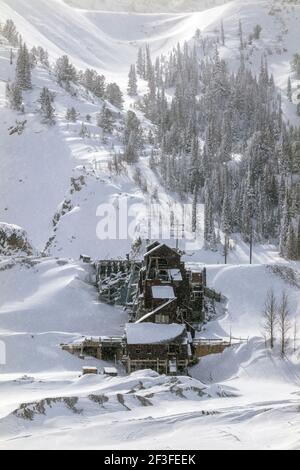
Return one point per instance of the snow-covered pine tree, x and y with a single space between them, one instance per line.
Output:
93 82
105 120
222 33
72 115
43 57
241 35
289 90
141 63
114 95
14 96
195 210
84 132
291 242
9 31
47 109
298 240
133 137
285 224
131 152
23 69
132 82
65 72
226 214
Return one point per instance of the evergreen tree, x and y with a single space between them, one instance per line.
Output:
65 72
131 151
72 115
14 96
195 212
141 65
93 82
9 31
222 33
298 241
291 243
47 109
257 32
114 95
23 69
84 132
43 57
289 90
226 215
132 83
133 138
105 120
241 36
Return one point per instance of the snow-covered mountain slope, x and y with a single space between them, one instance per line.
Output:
51 183
142 6
54 180
107 41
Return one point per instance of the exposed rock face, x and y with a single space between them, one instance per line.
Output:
14 241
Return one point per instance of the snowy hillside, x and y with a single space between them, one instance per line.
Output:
69 150
141 6
111 38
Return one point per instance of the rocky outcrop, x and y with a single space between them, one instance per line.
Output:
14 241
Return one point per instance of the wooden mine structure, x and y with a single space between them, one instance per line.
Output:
166 302
117 281
164 348
167 291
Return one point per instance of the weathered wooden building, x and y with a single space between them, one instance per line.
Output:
166 302
167 291
166 349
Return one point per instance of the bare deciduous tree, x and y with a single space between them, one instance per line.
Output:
284 322
270 317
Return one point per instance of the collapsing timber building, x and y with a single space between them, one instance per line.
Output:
166 303
167 291
159 290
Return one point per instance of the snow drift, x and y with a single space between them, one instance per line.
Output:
143 6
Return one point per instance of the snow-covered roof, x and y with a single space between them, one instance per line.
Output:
158 247
152 333
163 292
110 370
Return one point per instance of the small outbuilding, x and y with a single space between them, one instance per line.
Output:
110 371
89 370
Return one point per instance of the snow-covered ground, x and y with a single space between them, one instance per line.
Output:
244 398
